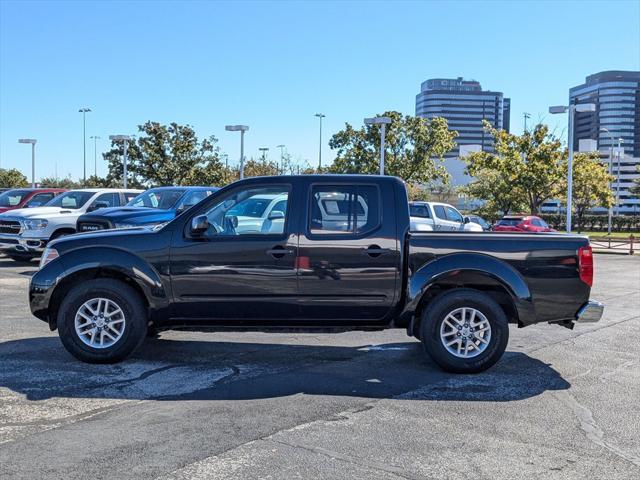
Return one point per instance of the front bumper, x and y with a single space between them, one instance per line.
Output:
590 312
21 245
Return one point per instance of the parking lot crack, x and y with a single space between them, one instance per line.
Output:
591 429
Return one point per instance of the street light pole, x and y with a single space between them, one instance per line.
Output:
610 213
84 142
320 116
33 142
95 155
572 109
125 139
620 153
383 122
264 151
241 129
526 116
281 169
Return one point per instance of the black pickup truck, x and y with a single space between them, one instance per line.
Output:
311 253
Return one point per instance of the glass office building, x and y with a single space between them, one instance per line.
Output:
465 105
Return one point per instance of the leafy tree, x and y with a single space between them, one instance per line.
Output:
12 178
531 164
65 182
412 143
166 155
591 184
499 193
260 168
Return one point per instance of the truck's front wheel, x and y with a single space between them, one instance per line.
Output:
464 331
102 321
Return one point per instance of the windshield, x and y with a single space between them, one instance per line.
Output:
72 200
510 222
161 198
12 198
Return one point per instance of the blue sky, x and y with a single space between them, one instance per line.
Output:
272 65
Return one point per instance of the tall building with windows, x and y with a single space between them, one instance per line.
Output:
465 105
616 95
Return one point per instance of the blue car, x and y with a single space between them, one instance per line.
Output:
153 207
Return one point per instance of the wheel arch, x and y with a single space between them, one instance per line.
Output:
479 272
122 266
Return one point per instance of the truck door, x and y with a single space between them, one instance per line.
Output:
232 272
349 256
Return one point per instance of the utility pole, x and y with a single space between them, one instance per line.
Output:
281 169
320 116
95 155
84 111
526 116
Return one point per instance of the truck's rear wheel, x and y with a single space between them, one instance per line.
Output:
102 321
464 331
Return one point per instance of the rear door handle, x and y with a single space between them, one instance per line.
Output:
375 251
279 252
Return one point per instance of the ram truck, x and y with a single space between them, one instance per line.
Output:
25 232
339 256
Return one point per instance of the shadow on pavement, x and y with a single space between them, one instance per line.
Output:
40 368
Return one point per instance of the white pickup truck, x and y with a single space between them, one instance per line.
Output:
25 232
426 216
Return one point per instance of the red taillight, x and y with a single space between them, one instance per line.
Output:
585 264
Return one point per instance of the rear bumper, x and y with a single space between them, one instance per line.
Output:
590 312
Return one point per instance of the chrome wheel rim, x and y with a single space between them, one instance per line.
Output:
100 323
465 332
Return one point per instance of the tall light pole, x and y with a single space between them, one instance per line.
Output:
264 151
226 160
95 154
281 147
383 122
125 139
33 142
610 213
241 129
620 153
572 109
320 116
84 111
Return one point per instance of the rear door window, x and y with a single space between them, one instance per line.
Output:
344 209
440 212
421 211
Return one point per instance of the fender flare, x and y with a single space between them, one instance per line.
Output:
451 266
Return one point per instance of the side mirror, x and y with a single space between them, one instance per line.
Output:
97 205
467 220
199 225
276 215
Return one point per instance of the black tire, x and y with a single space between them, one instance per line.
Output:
436 313
122 295
20 258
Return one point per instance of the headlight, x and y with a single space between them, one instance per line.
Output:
36 224
48 255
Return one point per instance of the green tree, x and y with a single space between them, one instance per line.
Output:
591 184
412 144
65 182
12 178
260 168
635 189
531 164
166 155
494 187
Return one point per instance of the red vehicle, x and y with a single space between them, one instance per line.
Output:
522 223
27 197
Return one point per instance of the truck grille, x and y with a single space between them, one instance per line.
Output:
10 226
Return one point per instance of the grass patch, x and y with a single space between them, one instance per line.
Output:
624 235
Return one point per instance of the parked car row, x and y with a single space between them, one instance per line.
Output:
34 217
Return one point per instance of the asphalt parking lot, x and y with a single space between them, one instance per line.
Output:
560 404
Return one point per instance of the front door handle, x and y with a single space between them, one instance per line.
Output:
375 251
279 251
